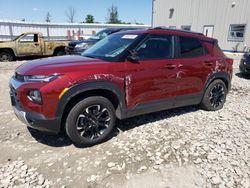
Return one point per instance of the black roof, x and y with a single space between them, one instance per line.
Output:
179 30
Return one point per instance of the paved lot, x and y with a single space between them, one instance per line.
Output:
185 147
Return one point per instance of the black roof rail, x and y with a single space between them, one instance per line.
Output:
180 30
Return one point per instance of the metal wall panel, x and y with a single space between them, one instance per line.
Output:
60 31
200 13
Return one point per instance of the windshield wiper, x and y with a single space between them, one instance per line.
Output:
89 56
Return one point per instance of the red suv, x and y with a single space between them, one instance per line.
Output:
124 75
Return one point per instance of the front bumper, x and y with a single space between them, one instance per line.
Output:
244 67
31 119
38 122
73 51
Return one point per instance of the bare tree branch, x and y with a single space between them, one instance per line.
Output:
70 14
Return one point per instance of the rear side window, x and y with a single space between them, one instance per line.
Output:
191 47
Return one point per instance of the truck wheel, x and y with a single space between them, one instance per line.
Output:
90 121
6 55
60 52
215 96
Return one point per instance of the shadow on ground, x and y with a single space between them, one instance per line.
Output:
244 76
131 123
62 139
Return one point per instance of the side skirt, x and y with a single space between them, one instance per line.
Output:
160 105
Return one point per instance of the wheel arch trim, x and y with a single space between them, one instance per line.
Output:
90 86
219 75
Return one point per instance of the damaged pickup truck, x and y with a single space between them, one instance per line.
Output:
30 44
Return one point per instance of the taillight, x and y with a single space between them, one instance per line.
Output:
229 61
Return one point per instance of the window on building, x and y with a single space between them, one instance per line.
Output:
237 32
191 47
155 47
172 27
186 27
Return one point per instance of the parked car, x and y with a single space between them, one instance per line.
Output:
30 44
245 64
77 47
124 75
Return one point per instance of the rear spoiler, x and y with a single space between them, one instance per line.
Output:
212 41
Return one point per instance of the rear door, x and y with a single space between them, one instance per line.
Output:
29 45
194 66
153 77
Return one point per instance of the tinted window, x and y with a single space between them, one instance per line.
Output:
111 47
155 47
191 47
29 38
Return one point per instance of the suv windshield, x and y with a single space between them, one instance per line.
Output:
110 47
101 34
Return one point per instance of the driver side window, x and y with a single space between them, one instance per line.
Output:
29 38
155 47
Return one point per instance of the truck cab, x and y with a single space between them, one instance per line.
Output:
30 44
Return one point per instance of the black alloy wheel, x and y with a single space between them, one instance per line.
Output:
93 122
90 121
215 96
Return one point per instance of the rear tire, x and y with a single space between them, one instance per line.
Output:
215 96
6 55
90 121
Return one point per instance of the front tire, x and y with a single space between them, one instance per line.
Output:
215 96
90 121
6 56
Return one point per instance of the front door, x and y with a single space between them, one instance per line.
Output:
153 77
208 30
29 45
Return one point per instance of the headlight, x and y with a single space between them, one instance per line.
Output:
40 78
35 96
82 45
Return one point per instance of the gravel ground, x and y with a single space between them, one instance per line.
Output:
185 147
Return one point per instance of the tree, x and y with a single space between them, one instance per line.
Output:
70 14
48 17
89 19
113 15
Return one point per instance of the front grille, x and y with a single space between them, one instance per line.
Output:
14 97
19 77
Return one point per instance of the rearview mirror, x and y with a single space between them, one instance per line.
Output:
133 57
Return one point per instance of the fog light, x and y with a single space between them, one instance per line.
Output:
35 96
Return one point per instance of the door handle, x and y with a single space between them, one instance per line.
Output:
170 66
209 63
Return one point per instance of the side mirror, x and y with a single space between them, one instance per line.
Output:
133 57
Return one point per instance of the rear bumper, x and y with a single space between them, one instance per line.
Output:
38 121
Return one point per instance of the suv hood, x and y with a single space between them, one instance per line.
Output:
59 65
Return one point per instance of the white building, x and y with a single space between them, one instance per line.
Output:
226 20
56 31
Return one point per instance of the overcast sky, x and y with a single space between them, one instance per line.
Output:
35 10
